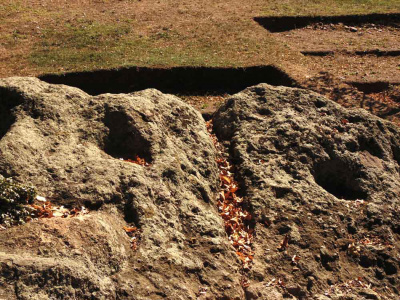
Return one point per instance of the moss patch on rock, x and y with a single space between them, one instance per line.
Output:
13 200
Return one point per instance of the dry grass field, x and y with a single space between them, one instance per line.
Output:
57 36
54 36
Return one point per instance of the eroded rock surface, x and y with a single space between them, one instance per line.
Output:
321 182
327 179
69 145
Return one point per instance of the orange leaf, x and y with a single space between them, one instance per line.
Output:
226 179
129 229
233 189
284 244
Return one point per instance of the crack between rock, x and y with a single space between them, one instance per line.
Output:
237 219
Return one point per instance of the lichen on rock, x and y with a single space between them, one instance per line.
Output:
14 198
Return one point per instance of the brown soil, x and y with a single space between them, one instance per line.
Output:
368 68
340 55
207 105
339 37
379 98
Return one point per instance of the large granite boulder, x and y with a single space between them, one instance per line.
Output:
74 149
323 185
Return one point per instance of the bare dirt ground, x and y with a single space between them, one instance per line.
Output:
207 105
351 53
357 66
340 37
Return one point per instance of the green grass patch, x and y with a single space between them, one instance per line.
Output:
7 9
128 52
91 45
84 34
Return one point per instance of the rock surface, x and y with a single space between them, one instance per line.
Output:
68 145
321 182
327 179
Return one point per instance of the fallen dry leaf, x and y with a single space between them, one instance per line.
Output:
138 161
230 207
130 229
284 244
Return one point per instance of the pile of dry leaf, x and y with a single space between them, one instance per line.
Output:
19 204
138 161
134 235
231 209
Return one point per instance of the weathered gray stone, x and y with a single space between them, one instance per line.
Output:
69 144
316 172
